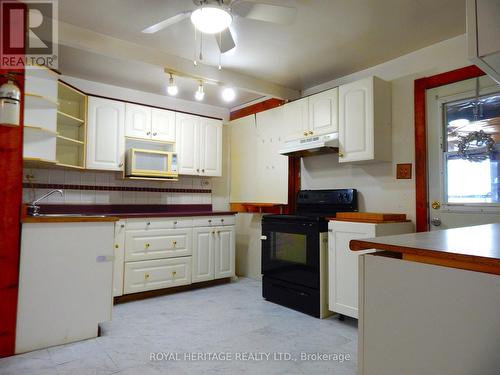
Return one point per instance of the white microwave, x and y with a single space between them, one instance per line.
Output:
150 163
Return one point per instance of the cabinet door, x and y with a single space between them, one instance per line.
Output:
343 266
162 125
137 121
188 143
323 112
119 258
105 134
296 115
157 244
356 121
211 147
224 252
203 254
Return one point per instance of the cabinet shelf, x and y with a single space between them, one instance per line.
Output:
71 140
69 120
35 101
48 132
38 162
68 166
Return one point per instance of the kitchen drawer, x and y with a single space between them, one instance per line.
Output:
156 274
157 243
212 221
159 223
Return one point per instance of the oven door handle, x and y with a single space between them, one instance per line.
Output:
263 238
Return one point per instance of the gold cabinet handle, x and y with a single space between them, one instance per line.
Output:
174 273
147 246
213 232
311 132
305 133
146 276
116 246
218 232
341 155
174 243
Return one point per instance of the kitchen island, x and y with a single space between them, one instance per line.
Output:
430 302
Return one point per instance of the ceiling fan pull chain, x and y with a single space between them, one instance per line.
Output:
201 46
220 52
195 46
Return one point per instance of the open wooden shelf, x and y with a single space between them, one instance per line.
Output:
38 162
36 101
71 140
69 120
40 129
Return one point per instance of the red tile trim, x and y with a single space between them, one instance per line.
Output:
115 188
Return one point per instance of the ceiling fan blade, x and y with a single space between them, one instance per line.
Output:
278 14
225 41
166 23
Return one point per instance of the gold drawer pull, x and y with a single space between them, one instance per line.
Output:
147 246
174 273
174 242
116 246
146 276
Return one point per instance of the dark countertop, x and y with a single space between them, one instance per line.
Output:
477 246
113 212
68 219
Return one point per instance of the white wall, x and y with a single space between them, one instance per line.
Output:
377 185
164 101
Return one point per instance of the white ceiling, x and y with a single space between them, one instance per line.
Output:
330 38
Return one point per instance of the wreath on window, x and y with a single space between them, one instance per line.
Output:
477 139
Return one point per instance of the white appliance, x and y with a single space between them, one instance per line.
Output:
317 144
151 163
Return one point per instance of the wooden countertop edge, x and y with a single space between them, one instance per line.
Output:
368 221
69 219
491 263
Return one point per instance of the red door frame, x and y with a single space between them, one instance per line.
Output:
11 190
420 88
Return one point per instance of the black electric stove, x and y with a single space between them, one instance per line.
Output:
294 249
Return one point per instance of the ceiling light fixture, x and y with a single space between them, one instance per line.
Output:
228 94
211 19
200 94
172 88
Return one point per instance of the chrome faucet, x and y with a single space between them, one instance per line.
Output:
34 210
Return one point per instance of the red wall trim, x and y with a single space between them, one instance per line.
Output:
420 88
113 188
256 108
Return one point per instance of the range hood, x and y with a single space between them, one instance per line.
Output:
314 145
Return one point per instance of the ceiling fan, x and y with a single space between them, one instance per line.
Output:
215 17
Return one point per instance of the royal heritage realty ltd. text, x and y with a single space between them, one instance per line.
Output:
248 356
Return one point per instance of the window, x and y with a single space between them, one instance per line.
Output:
472 150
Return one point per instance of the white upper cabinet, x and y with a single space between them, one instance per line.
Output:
296 117
149 123
105 134
199 145
188 150
137 121
162 125
483 35
323 112
314 115
365 121
211 147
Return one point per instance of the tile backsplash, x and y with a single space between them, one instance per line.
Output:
92 187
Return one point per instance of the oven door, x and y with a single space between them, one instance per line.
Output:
290 251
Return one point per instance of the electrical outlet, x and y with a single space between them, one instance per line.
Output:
403 171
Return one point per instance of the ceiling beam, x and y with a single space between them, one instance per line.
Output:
77 37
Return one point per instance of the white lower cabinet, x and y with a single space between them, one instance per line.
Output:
203 254
224 252
213 253
157 244
119 258
343 263
156 274
163 253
